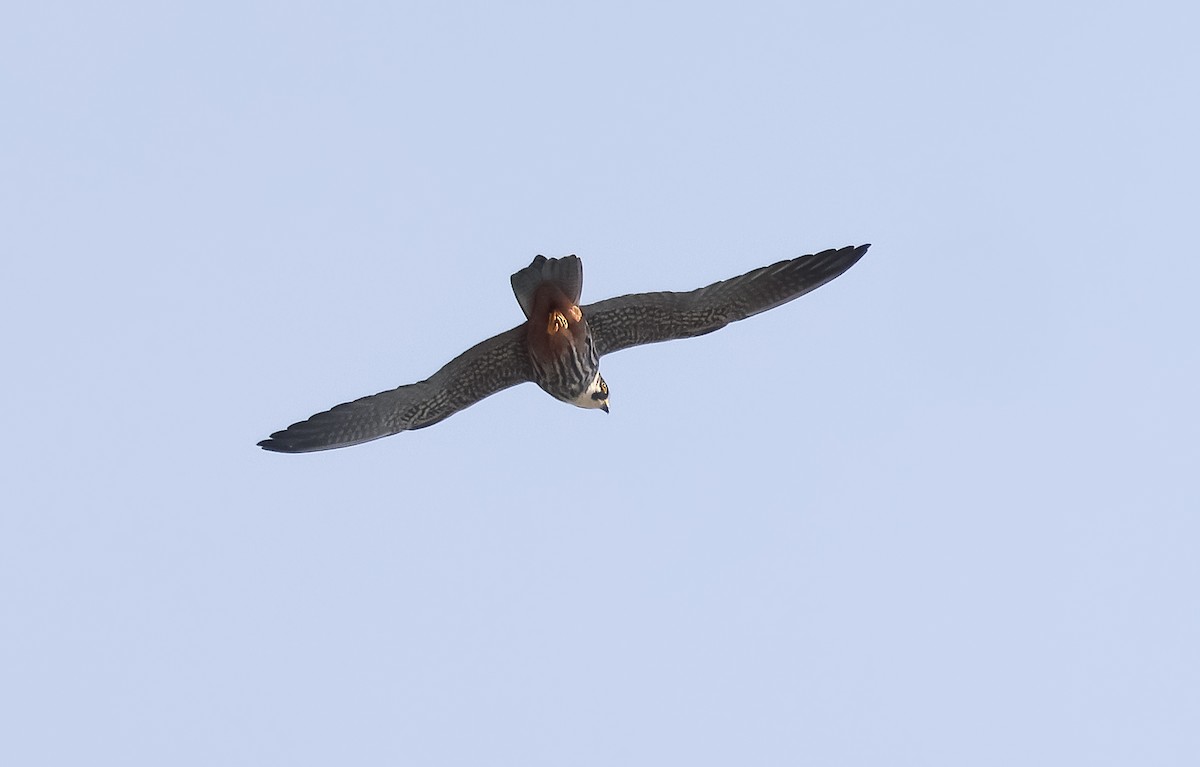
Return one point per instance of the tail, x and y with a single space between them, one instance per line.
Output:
566 273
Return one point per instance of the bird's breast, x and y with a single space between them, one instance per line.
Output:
560 344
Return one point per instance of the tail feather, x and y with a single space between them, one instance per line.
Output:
566 272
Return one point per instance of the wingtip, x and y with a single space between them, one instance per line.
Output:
275 446
855 252
279 443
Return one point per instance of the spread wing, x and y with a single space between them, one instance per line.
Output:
482 370
647 318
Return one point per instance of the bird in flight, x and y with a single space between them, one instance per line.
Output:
560 344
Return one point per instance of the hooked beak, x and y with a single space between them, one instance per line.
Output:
604 407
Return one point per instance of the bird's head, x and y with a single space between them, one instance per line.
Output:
595 395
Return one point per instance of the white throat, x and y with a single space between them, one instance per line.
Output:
587 400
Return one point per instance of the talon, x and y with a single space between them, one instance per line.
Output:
576 315
557 322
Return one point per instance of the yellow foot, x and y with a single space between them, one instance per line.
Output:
557 322
576 315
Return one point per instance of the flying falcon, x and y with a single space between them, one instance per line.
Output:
560 344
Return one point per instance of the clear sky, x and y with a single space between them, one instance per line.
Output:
943 511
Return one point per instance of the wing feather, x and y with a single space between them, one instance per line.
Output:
647 318
482 370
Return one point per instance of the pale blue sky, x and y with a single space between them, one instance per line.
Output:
943 511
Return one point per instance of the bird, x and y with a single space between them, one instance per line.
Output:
560 343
